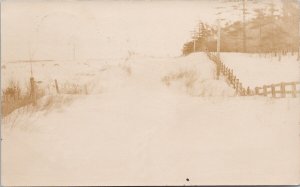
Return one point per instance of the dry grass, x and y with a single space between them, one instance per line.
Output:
73 89
17 103
127 69
51 102
13 97
126 66
189 78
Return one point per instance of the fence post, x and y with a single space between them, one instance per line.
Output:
228 72
273 90
248 91
32 90
218 71
294 91
256 90
86 91
49 92
265 90
244 92
241 89
56 86
223 69
234 84
282 89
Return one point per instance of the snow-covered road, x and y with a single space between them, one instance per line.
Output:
141 132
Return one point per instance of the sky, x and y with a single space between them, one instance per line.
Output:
89 29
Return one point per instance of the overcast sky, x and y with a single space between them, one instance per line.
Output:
99 29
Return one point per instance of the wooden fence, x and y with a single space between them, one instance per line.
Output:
279 90
231 79
283 88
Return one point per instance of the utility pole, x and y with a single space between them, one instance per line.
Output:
219 30
244 27
74 51
298 33
194 37
194 45
30 59
200 35
273 24
299 39
219 38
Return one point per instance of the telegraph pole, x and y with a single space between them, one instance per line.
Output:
30 59
201 43
219 31
194 39
194 44
299 33
299 39
244 26
219 38
74 51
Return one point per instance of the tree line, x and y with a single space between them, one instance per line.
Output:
266 32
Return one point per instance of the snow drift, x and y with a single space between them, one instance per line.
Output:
133 129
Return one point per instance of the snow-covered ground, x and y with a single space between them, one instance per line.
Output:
153 121
254 70
65 72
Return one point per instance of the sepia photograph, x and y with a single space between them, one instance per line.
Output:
150 92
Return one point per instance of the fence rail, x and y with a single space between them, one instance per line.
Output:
283 88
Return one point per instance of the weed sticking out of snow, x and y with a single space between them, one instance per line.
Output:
13 97
197 78
52 102
44 106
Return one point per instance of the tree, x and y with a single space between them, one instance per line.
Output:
258 23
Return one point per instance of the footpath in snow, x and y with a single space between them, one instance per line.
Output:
151 121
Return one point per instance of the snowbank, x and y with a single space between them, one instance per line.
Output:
193 74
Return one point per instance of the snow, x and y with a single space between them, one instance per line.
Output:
133 129
255 71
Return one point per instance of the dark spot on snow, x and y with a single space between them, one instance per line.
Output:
187 179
